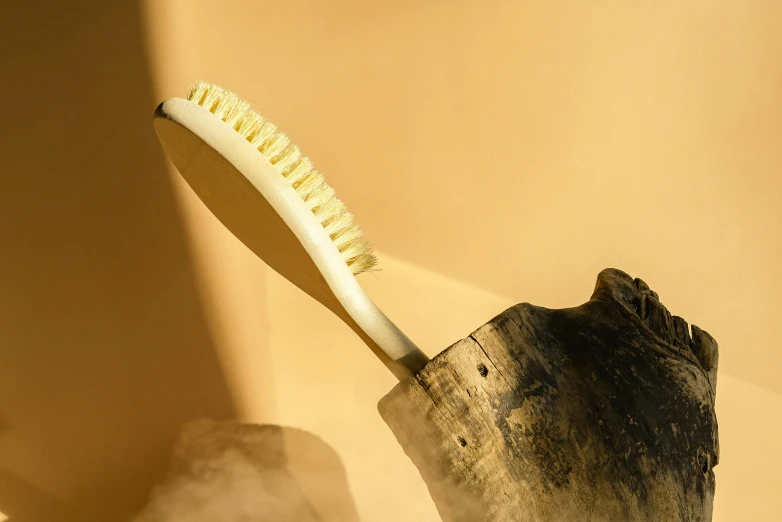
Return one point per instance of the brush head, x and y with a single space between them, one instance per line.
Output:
297 169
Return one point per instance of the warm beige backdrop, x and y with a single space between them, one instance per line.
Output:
495 152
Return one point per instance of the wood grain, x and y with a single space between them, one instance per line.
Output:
600 412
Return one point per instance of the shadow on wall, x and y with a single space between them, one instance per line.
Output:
104 351
232 471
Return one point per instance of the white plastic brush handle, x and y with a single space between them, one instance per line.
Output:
258 205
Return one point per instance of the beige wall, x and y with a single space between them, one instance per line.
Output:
494 152
515 148
546 141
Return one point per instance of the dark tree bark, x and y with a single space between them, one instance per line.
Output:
602 412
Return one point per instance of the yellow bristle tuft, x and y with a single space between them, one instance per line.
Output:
308 183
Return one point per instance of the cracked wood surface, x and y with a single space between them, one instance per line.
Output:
602 412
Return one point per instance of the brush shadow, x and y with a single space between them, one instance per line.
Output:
105 352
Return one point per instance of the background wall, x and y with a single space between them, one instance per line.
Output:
105 349
494 153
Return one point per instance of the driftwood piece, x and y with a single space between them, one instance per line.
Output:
602 412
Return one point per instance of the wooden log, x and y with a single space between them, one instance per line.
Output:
602 412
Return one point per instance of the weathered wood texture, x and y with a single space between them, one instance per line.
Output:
602 412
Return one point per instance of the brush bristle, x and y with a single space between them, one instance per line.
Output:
297 169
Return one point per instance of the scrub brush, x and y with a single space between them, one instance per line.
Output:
271 198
